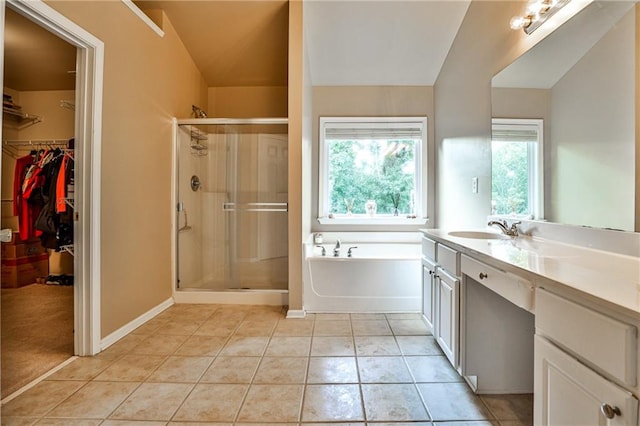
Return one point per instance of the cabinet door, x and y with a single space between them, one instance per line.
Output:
568 393
447 314
428 291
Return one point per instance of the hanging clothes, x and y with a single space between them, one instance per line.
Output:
41 189
61 186
21 208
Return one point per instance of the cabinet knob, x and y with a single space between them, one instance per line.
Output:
483 275
609 412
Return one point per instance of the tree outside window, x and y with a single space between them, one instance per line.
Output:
372 169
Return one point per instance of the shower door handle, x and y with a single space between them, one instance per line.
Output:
255 207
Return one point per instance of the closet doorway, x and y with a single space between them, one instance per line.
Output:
37 304
87 131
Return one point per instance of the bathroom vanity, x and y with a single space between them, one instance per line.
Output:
525 314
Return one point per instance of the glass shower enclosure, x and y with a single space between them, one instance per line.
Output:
231 213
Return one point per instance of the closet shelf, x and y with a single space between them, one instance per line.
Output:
19 120
68 249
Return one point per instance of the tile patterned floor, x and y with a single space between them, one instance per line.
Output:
248 365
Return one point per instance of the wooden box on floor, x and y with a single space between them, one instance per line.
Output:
60 263
17 248
20 271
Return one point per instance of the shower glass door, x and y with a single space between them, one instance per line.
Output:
232 205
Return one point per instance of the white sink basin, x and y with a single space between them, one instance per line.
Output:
479 235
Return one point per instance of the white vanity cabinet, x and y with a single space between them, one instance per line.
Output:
428 280
441 296
526 314
569 393
446 327
585 365
428 290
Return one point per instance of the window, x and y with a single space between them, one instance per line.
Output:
371 169
516 168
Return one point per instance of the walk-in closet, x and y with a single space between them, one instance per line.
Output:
37 297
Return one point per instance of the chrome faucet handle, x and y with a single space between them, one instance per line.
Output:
338 243
324 250
349 253
513 231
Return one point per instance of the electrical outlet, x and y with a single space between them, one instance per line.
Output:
474 184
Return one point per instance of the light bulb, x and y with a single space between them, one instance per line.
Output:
518 22
539 7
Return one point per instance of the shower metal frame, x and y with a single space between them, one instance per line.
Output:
176 203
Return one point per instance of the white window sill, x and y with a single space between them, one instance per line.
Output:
376 220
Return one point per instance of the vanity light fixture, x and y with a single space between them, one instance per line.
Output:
538 11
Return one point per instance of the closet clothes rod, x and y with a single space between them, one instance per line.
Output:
36 142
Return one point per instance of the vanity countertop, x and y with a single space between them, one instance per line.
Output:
607 276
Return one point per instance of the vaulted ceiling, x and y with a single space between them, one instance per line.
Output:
245 42
379 42
233 43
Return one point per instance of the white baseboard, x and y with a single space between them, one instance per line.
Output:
296 313
129 327
233 297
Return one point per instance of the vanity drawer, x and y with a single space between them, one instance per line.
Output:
428 248
605 342
513 288
448 259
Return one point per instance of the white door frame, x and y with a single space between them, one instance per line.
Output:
88 134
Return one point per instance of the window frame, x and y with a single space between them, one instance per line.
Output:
420 170
535 157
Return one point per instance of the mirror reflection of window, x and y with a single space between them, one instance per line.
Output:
516 168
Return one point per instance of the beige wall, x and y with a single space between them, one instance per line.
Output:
484 45
147 81
363 101
57 122
295 106
637 117
247 102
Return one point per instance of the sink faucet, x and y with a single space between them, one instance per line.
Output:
336 249
502 224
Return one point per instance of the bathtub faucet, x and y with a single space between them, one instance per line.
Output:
336 249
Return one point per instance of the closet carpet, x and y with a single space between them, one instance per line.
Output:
36 332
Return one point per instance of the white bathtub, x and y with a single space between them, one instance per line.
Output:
379 277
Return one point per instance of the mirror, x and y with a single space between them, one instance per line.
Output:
581 80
